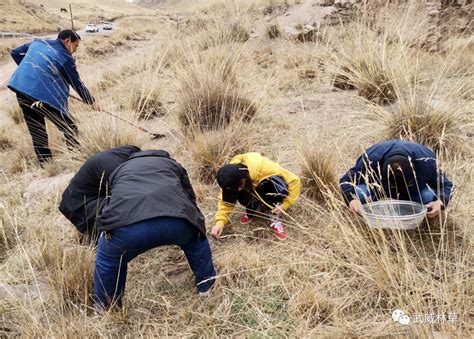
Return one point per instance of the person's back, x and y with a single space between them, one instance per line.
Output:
375 174
259 184
150 184
41 83
82 198
151 204
44 73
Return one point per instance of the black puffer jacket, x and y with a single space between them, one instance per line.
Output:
148 185
81 199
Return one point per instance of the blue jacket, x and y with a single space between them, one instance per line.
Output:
422 158
45 71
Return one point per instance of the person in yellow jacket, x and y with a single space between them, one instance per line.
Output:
260 185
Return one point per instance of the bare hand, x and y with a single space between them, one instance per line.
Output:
355 206
277 209
434 208
95 106
217 231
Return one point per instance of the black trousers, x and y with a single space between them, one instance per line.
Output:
272 190
35 114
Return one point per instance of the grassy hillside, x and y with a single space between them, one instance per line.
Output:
46 16
24 17
311 102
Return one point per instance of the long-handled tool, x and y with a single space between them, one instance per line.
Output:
153 135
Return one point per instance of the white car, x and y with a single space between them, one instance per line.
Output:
107 26
91 28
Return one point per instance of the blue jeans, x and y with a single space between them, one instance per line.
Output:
363 193
125 243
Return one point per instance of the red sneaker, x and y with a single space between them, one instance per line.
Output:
245 219
278 229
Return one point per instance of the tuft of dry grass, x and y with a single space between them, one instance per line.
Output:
146 101
71 275
439 125
212 149
23 158
312 306
318 173
273 31
109 80
222 32
6 46
307 34
210 97
6 141
104 132
367 62
16 113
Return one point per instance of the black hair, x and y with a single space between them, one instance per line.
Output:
397 170
68 34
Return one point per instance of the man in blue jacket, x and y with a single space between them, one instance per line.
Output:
41 82
400 170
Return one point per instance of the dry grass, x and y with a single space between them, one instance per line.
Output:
377 55
365 62
222 33
6 46
210 150
210 97
6 141
333 276
29 18
439 126
273 31
16 113
146 101
109 79
318 173
435 111
103 132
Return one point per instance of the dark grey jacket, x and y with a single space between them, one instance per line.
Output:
82 198
148 185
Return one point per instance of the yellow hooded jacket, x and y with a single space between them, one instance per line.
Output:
259 169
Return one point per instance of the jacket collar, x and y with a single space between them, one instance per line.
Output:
150 153
56 43
397 152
